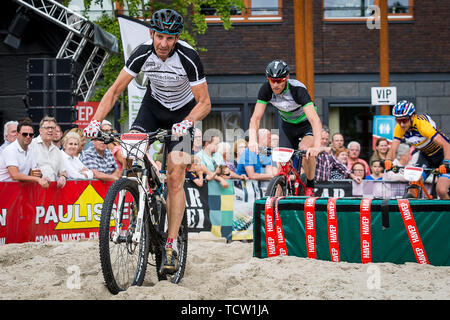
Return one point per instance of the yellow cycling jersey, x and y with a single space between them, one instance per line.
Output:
420 135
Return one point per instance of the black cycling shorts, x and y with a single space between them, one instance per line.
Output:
291 133
153 116
431 162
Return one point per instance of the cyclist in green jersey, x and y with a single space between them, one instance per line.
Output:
298 113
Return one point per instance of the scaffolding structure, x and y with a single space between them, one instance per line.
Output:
80 32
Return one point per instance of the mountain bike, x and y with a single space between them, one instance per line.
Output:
288 181
133 222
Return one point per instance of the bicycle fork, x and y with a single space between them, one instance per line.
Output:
118 222
142 187
140 218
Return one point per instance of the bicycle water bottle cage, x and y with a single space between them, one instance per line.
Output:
282 155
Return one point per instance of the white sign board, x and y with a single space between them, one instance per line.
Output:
384 96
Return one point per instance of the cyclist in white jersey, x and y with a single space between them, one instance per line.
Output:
298 113
177 96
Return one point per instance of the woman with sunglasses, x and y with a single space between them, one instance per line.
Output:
298 113
420 131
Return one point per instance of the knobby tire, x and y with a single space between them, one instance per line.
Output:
113 284
275 182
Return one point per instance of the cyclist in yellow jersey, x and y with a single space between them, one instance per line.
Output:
419 131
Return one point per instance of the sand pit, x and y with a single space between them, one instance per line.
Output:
215 271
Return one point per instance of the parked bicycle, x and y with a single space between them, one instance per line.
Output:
288 181
133 221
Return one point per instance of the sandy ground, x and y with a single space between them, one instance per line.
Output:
215 270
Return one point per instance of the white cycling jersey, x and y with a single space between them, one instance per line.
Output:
170 81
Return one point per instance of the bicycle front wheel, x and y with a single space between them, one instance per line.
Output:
278 187
123 261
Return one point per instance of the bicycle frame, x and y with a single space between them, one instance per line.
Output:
136 204
141 177
287 168
414 176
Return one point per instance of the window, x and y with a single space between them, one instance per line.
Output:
255 11
95 10
269 119
223 121
354 119
359 10
230 120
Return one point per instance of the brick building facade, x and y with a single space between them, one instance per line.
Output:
346 66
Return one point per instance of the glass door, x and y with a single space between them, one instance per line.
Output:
355 123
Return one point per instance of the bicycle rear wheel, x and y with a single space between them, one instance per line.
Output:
278 187
123 262
182 248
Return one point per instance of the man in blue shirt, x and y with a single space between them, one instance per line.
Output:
257 166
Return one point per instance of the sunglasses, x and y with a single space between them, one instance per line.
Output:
276 80
403 120
27 134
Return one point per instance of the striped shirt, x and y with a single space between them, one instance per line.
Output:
91 159
170 81
325 164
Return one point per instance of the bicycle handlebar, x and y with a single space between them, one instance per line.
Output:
299 153
396 169
161 135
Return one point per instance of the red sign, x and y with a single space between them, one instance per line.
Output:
333 238
32 214
85 111
281 241
310 227
413 232
271 244
366 240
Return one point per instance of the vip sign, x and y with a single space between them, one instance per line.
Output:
384 96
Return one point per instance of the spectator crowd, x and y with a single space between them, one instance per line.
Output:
54 155
335 161
58 156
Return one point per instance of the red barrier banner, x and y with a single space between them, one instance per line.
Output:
413 232
271 244
281 241
29 213
366 240
310 227
333 238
